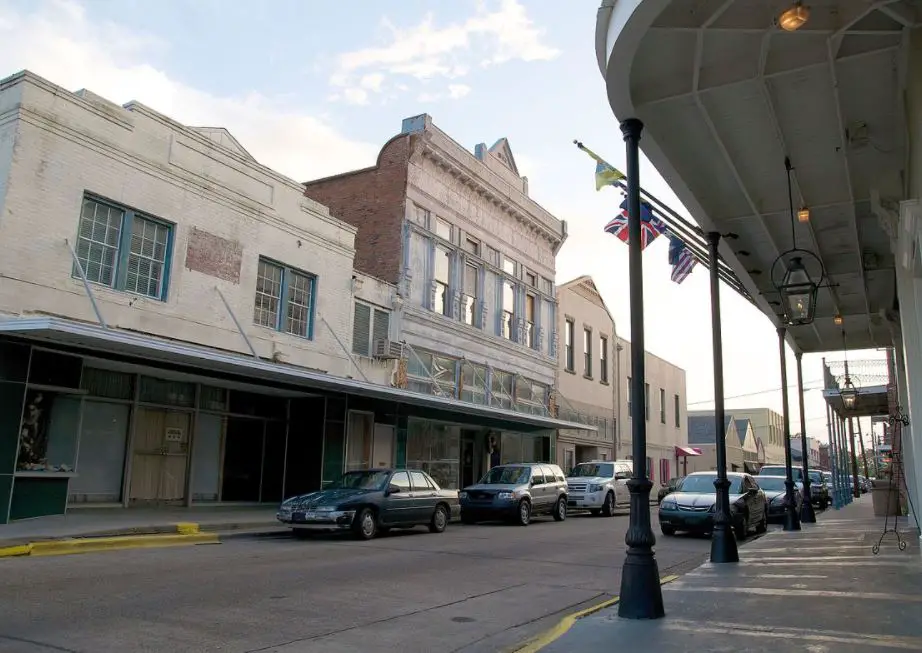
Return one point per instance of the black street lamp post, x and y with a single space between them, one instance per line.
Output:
791 518
641 595
807 514
723 540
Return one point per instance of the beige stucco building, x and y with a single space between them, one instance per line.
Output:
587 372
768 426
666 401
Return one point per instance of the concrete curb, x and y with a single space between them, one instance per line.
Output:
551 635
179 534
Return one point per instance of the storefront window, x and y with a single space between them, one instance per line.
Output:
473 383
431 374
167 393
108 384
524 447
502 389
434 448
48 432
530 396
359 441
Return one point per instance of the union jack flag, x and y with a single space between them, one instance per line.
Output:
681 259
650 225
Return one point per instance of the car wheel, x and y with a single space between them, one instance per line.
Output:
439 520
524 518
560 510
608 508
365 525
669 531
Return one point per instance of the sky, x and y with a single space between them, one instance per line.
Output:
316 88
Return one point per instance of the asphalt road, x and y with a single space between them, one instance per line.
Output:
474 589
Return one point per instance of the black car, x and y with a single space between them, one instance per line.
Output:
693 504
775 490
370 501
668 489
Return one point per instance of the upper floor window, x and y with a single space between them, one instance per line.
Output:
530 320
369 325
123 249
587 352
471 246
531 280
443 229
284 299
662 405
568 346
508 316
678 417
603 359
646 401
469 299
509 266
441 278
630 412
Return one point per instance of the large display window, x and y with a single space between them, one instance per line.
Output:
48 432
435 448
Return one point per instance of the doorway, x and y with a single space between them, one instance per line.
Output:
383 449
469 458
159 456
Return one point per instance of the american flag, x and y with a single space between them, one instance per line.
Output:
681 259
650 225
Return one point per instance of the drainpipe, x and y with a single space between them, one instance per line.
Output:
617 408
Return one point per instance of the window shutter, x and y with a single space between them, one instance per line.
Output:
361 327
381 326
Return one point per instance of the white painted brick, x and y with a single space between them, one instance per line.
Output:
66 145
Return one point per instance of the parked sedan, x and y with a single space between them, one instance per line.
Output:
370 501
668 489
775 490
692 506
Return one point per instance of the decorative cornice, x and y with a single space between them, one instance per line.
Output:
505 203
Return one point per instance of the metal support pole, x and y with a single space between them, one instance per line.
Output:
807 514
240 330
723 539
86 285
843 462
830 429
641 594
864 454
791 518
838 435
856 489
342 346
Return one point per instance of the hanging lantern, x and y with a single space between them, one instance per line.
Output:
849 394
798 293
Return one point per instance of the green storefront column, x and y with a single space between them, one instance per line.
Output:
14 368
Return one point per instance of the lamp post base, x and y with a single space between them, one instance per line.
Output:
723 544
791 519
641 595
807 513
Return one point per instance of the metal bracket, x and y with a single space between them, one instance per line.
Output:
343 347
86 285
237 323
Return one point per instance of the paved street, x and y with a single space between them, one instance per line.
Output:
473 589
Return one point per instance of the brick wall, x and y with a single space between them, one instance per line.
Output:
374 200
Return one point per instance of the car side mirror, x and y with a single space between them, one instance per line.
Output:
393 489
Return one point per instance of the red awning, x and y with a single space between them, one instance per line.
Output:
687 451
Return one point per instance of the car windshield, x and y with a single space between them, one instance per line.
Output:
504 475
816 476
362 480
704 483
605 470
771 484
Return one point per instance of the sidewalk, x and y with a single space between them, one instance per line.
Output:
113 522
818 589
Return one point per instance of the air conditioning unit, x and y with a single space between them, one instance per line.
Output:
387 349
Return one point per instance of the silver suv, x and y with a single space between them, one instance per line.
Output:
516 491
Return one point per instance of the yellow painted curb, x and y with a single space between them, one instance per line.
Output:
96 544
187 528
16 551
548 637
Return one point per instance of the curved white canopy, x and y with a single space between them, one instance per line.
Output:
725 95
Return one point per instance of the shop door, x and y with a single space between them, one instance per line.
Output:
159 456
383 450
468 473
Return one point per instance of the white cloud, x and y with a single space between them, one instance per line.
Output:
456 91
56 40
426 51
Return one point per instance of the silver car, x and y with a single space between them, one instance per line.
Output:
516 491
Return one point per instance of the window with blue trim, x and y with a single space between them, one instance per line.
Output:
123 249
284 299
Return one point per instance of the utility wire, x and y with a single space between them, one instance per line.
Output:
753 394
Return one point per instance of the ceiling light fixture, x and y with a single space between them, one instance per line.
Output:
794 17
803 215
837 320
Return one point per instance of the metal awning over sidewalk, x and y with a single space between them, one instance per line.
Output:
117 341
